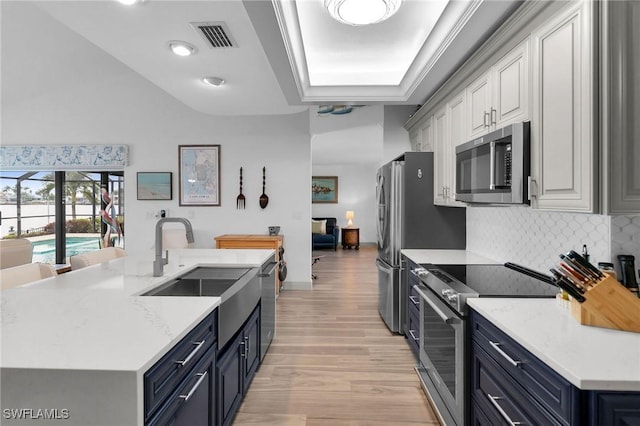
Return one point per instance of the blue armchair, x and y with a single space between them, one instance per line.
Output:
328 240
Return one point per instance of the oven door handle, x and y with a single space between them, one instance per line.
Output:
383 267
447 319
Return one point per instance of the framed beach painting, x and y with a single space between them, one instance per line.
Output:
155 186
199 175
324 189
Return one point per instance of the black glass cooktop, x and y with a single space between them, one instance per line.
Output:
501 280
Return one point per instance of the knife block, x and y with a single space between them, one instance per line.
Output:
608 304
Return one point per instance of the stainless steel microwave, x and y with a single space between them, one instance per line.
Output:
495 168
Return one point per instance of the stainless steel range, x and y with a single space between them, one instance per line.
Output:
444 290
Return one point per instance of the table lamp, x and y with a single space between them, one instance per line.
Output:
349 216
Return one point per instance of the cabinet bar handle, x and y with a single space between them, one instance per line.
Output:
494 115
496 346
485 121
191 355
414 300
494 402
195 387
246 347
413 336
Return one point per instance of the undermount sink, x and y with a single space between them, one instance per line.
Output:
201 281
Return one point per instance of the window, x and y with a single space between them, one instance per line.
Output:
92 217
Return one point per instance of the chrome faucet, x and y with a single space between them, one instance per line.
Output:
159 262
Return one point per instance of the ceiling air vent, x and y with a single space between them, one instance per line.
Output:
216 33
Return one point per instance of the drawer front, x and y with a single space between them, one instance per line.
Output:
413 331
545 385
499 396
161 379
193 402
479 417
414 298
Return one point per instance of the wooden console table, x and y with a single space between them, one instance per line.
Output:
249 241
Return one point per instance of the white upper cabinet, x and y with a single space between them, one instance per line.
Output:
440 153
511 94
501 95
620 121
426 134
479 106
456 125
562 137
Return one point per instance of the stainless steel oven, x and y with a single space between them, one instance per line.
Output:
444 290
442 370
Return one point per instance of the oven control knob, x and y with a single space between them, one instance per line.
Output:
452 298
421 272
446 292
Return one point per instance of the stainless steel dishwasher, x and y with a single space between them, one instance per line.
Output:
267 276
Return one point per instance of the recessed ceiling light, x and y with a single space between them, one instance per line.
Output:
182 48
361 12
128 2
213 81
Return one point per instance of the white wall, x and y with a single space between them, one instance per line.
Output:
396 138
356 191
94 100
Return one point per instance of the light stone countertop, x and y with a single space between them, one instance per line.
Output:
446 257
591 358
94 318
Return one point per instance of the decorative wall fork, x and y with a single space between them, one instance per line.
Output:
240 199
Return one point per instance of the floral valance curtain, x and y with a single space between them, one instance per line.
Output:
63 157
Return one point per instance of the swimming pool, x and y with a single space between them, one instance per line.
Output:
45 250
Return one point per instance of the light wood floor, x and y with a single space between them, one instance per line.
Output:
333 361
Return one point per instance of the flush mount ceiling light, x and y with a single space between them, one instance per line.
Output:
181 48
129 2
213 81
361 12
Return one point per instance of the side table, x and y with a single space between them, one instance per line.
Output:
351 238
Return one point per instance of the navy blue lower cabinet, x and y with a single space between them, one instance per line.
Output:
230 377
614 408
236 367
480 418
501 397
508 381
193 402
251 337
411 305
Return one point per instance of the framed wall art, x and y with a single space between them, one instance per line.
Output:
155 186
324 189
199 175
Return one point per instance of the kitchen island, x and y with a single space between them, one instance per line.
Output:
78 345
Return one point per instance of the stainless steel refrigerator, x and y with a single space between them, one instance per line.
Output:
408 219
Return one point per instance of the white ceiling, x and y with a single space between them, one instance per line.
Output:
289 54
